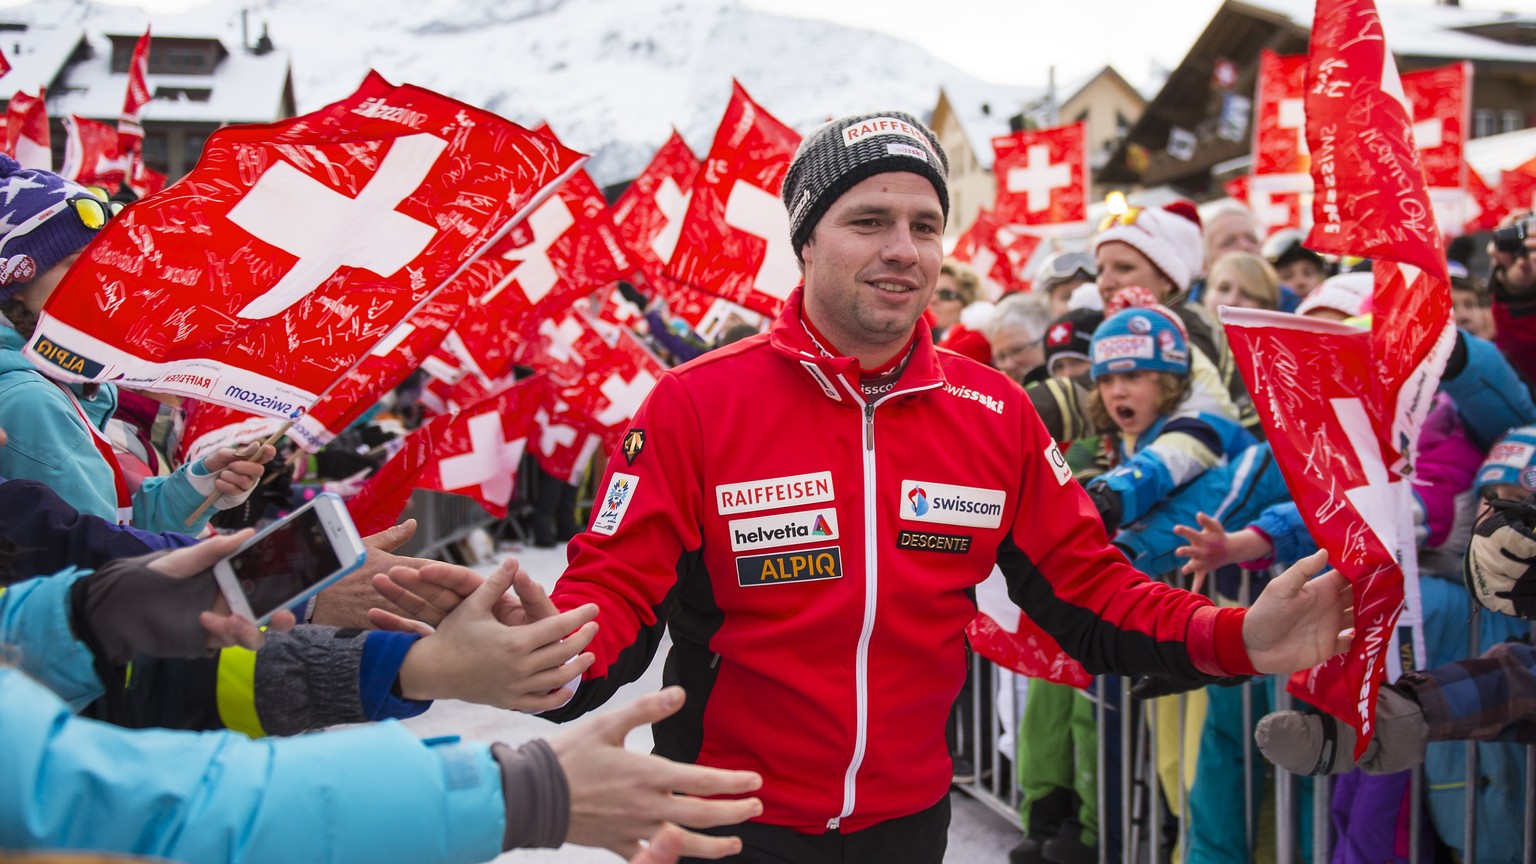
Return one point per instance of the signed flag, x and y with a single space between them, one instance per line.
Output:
649 214
1002 633
1279 180
27 138
130 127
735 239
91 156
1341 405
271 271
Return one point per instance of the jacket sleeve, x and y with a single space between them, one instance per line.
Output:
362 795
1514 321
1187 448
306 679
1287 532
50 443
50 534
1063 573
164 503
1489 394
1233 494
645 535
34 624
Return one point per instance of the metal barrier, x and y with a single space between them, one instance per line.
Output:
442 519
1140 826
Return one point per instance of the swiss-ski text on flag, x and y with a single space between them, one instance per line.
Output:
1042 175
1342 406
735 239
292 249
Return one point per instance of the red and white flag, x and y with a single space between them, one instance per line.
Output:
1441 99
735 239
564 250
565 441
27 138
474 452
90 153
1280 182
1042 176
614 381
1002 633
130 127
292 249
209 426
649 214
5 65
1487 209
1342 406
999 253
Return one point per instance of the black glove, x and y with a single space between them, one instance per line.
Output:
1500 565
633 295
1107 501
125 610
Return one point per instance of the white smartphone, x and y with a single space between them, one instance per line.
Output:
291 559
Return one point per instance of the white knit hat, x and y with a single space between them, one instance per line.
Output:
1169 237
1346 292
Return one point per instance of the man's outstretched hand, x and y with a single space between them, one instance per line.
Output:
1298 621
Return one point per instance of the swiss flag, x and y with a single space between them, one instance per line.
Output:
90 153
474 452
649 214
565 249
996 252
1042 176
1487 210
615 380
735 239
130 128
1342 406
1280 159
208 426
1003 634
1441 99
565 440
314 239
27 138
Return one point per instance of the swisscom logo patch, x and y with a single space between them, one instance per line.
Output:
945 504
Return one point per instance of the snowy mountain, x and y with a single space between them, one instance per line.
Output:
610 76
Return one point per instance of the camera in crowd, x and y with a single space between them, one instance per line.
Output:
1511 238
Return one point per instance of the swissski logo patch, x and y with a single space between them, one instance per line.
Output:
808 565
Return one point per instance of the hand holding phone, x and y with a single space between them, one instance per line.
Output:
290 560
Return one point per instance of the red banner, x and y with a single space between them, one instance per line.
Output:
1280 144
735 239
649 214
90 153
130 128
1441 100
1001 633
1342 406
1042 176
474 452
282 260
27 138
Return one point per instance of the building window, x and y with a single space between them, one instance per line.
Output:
156 150
1511 121
178 59
189 94
1484 123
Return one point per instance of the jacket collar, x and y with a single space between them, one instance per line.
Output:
837 377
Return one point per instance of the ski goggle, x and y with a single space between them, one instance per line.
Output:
1064 266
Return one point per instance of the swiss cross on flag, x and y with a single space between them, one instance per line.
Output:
27 138
474 452
615 380
272 269
1280 179
1342 406
565 249
90 153
1441 100
564 441
735 239
649 214
996 252
1042 176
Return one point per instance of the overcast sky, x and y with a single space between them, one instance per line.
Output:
993 39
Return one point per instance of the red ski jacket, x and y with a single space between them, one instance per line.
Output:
815 553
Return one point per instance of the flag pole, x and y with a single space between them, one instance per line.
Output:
251 449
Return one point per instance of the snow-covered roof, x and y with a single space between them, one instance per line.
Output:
1425 30
983 111
242 88
36 55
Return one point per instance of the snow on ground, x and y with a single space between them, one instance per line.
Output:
976 834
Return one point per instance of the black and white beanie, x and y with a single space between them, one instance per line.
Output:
844 152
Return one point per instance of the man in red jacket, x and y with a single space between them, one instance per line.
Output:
809 511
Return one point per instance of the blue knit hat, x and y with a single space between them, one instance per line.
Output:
37 219
1512 461
1150 338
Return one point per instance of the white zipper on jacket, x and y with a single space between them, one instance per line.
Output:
871 586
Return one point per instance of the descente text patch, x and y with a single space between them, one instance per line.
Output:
808 565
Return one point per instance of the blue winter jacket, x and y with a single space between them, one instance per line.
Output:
375 793
1170 455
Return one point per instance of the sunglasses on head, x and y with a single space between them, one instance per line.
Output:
1127 218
